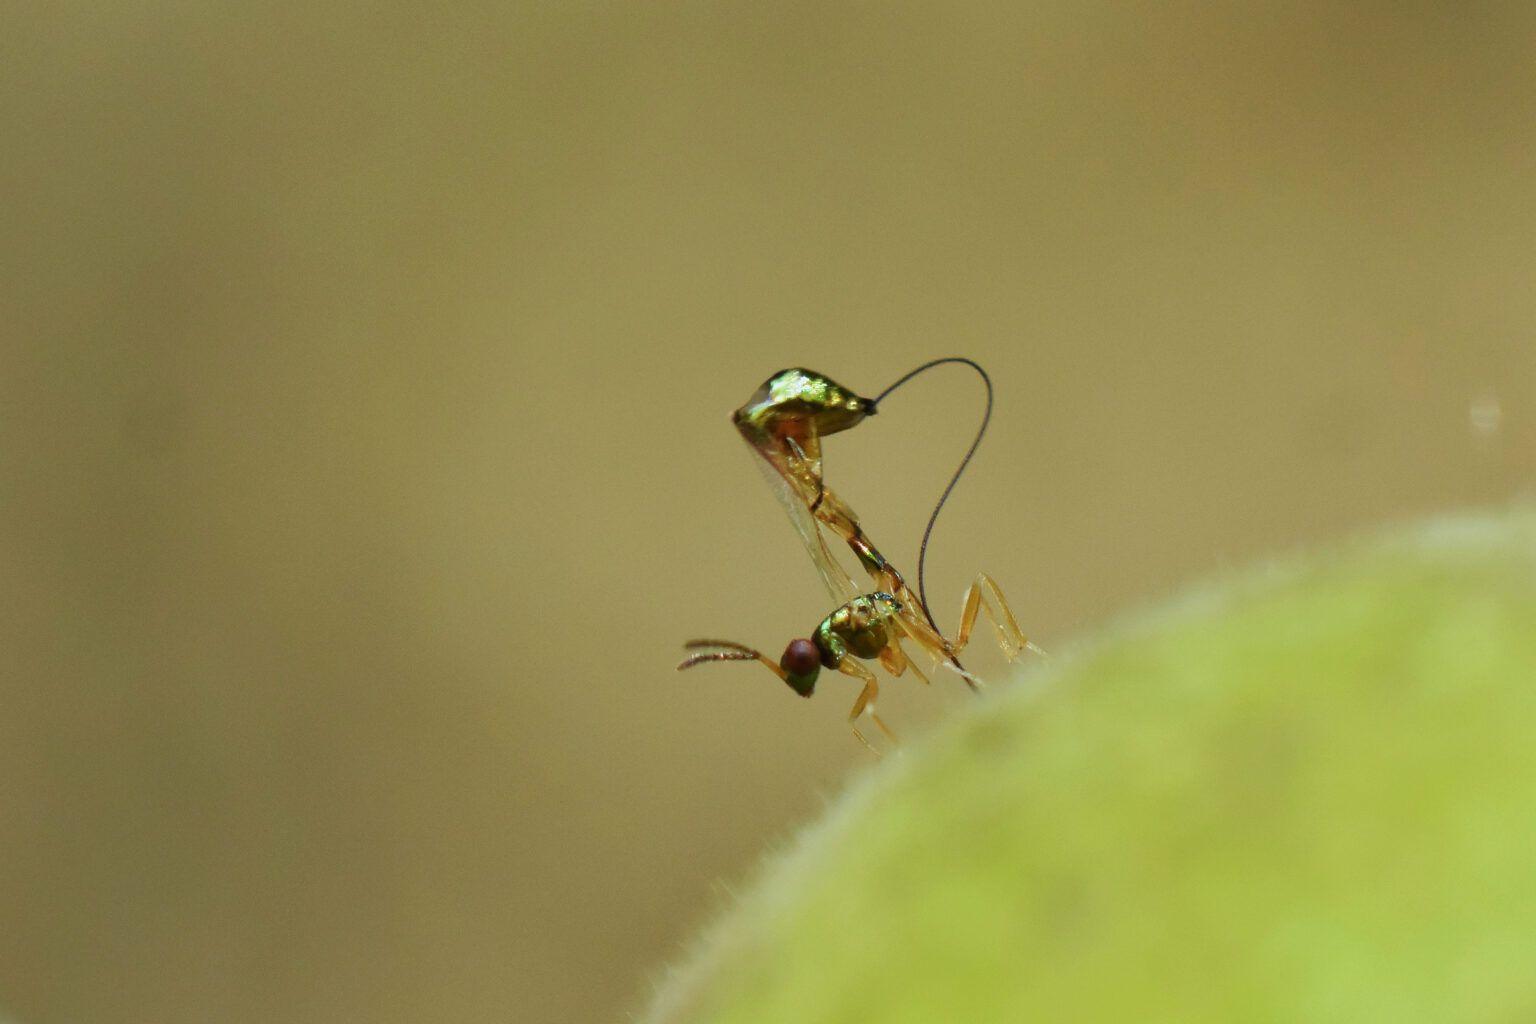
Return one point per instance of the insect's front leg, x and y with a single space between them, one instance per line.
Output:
848 665
865 704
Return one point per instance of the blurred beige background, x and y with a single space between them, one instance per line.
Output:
364 395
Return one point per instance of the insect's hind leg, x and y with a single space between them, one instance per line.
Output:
984 593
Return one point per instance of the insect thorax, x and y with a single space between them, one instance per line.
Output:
860 628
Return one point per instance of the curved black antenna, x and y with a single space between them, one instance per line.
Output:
986 418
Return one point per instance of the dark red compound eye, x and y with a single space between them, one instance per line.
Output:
801 658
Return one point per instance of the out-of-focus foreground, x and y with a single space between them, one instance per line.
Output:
1300 794
365 455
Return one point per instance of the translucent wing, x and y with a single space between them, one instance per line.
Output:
839 584
783 422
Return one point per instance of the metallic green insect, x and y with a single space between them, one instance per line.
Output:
783 422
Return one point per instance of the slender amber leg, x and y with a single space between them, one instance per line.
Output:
830 511
944 652
866 701
984 593
794 474
806 472
896 662
915 670
916 626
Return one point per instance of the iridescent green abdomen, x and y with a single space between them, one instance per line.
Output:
798 403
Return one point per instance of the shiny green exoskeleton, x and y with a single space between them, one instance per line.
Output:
868 628
862 628
800 404
783 422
